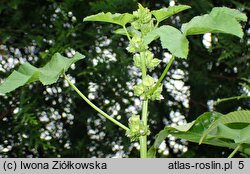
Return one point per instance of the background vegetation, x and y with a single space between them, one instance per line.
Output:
52 121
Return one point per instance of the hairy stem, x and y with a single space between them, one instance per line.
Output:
94 106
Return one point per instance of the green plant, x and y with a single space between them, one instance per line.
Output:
141 28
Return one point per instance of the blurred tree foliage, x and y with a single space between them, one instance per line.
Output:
52 121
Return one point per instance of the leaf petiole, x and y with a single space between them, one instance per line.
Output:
231 98
126 31
156 25
234 152
162 76
94 106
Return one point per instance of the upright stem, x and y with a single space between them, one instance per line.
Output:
143 139
94 106
144 118
143 68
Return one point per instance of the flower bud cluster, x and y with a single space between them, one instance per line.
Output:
146 58
143 89
136 45
136 128
144 21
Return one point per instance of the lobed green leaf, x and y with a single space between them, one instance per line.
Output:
48 74
199 125
233 117
117 18
243 136
171 38
228 130
165 13
239 16
219 20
